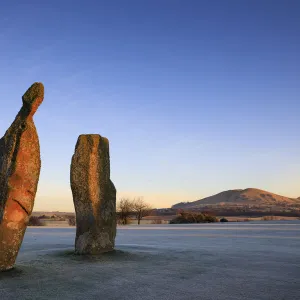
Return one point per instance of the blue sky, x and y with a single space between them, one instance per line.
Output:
196 97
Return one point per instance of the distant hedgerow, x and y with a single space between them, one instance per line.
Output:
191 217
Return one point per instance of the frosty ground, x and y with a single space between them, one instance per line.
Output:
213 261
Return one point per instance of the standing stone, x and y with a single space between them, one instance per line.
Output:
19 175
94 195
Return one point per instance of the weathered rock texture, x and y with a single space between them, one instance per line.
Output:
19 175
94 195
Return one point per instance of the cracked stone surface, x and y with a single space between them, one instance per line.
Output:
94 196
19 175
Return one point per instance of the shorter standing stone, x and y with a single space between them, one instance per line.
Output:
94 195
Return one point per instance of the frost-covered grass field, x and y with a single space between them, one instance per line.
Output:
206 261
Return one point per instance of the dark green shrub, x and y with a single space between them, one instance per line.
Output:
72 220
35 221
191 217
210 219
223 220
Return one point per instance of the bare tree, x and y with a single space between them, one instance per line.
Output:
124 210
141 209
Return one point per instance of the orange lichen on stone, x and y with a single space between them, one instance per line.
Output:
19 174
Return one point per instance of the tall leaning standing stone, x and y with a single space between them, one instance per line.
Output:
19 175
94 196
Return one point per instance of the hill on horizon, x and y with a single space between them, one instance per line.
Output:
249 196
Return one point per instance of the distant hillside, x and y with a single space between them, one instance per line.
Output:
248 196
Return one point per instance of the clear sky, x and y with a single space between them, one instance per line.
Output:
196 97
